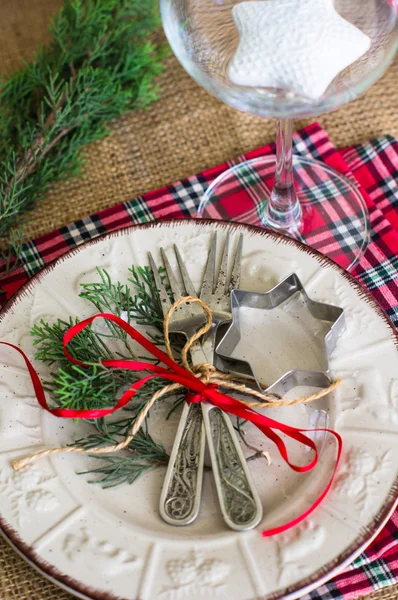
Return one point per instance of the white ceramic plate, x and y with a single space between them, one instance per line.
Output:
112 543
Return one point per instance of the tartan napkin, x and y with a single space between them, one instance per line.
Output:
374 165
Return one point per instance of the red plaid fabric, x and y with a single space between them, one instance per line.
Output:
374 165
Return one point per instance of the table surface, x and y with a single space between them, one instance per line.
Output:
185 132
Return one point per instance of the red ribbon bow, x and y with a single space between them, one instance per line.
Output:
201 392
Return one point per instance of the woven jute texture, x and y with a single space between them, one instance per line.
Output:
183 133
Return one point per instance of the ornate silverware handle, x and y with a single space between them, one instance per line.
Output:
240 504
182 488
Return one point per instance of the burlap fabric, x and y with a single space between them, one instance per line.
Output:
185 132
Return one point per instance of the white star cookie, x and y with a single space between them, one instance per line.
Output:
294 45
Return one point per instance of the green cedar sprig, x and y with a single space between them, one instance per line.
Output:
143 454
72 386
98 65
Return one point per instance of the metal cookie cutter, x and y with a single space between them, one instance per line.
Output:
267 301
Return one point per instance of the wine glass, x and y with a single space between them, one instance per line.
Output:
302 197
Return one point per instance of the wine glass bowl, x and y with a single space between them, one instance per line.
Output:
204 38
220 42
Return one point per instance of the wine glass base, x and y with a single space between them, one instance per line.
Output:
334 217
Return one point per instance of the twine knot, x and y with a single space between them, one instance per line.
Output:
204 372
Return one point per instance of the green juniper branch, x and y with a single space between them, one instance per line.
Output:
98 65
93 386
115 470
72 386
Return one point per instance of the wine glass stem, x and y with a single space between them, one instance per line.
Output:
283 209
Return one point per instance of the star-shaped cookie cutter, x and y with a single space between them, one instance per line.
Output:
267 301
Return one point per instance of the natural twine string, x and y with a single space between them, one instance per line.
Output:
205 372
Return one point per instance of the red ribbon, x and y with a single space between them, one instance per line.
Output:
202 392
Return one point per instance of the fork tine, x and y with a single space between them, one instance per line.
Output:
163 295
236 268
189 288
222 273
206 290
175 288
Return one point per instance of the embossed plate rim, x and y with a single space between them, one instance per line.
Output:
304 585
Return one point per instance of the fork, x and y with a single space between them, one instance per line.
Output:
184 486
240 505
